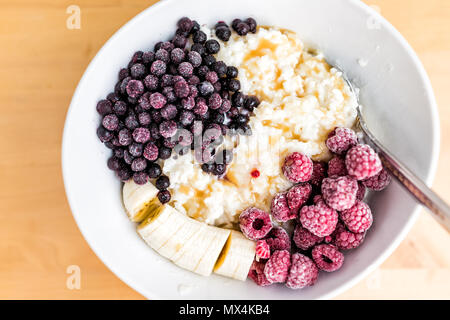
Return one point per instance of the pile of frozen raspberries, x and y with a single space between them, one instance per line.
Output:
326 205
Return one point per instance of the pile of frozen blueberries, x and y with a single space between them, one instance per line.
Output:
173 99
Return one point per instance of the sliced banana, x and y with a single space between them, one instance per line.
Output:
190 244
236 257
139 200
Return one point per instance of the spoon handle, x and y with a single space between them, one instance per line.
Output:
417 188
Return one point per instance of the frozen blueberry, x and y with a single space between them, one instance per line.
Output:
186 118
235 22
164 153
144 118
157 100
134 88
118 153
202 71
238 99
158 68
181 89
242 28
141 135
195 58
166 80
139 164
223 33
185 69
219 169
188 103
234 85
120 108
148 57
104 135
154 170
195 26
199 37
232 72
208 167
212 77
168 128
138 71
172 68
166 45
150 151
125 137
217 86
251 102
226 106
209 60
185 24
124 174
217 117
156 115
113 97
220 68
164 196
169 112
205 88
162 55
177 55
170 142
212 46
140 178
200 106
214 101
251 24
197 47
123 73
169 93
151 82
179 41
135 149
162 183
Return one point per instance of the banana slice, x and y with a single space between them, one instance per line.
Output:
190 244
139 200
236 257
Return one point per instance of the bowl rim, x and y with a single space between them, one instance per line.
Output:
135 285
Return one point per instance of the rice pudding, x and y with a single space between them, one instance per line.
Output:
302 99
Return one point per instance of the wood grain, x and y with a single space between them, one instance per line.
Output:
41 62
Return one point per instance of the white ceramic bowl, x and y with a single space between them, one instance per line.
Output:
400 106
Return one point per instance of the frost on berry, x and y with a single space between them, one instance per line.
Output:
277 267
327 257
319 219
280 210
262 249
341 139
358 218
378 182
297 168
256 273
346 240
255 223
304 239
362 162
278 239
340 192
297 197
303 272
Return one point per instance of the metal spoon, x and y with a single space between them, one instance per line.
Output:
416 187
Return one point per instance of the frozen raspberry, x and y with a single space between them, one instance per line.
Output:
319 219
327 257
256 273
361 191
297 197
319 173
379 181
346 240
341 139
336 167
358 218
303 272
262 249
304 239
297 168
277 267
280 209
339 193
278 239
318 198
255 223
362 162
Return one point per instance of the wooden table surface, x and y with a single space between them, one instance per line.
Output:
41 62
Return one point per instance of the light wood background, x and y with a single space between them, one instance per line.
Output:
41 62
